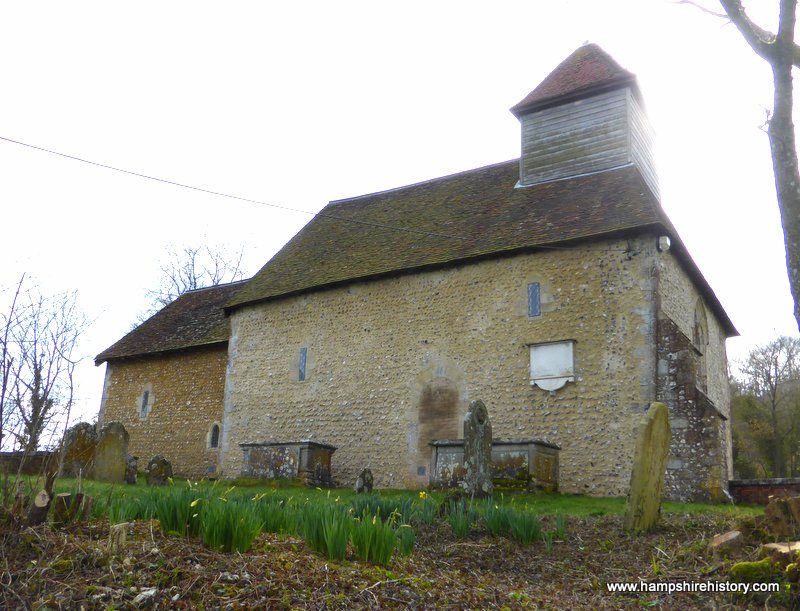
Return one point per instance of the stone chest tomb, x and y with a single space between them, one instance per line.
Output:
308 461
520 464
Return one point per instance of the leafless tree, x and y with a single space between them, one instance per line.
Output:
8 321
191 268
771 376
38 345
781 52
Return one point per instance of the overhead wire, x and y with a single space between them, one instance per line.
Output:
271 205
236 197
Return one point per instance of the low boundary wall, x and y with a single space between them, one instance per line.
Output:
758 491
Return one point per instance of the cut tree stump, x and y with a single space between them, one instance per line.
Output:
38 512
117 537
19 502
75 509
61 508
86 512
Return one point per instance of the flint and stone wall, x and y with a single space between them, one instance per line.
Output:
693 382
185 399
392 364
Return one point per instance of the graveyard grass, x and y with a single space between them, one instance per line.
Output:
581 548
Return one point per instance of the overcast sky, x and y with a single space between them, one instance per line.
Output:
294 104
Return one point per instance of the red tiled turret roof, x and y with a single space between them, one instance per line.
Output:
588 71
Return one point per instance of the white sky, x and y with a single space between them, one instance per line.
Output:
298 103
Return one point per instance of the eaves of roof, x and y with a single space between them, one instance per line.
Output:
194 319
458 219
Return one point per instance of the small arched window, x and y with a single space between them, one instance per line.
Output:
700 341
213 436
700 330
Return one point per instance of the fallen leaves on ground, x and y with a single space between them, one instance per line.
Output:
73 568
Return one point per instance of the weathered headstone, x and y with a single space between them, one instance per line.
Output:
77 450
130 469
111 454
643 508
477 451
158 471
364 482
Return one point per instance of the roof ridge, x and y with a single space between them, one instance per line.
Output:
212 286
335 202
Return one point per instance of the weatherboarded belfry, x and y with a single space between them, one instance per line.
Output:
586 116
553 287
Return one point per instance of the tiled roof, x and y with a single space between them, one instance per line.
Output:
449 219
466 216
196 318
588 71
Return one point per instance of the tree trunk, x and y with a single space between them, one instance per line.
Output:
778 465
38 512
784 162
61 508
86 510
781 52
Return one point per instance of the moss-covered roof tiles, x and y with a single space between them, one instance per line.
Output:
194 319
466 216
450 219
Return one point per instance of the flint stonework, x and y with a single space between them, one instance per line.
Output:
77 450
111 454
477 451
643 508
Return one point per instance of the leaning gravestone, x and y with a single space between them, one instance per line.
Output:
364 482
477 451
647 476
111 454
77 450
158 471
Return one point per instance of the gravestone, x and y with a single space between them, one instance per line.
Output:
647 476
477 451
158 471
130 469
111 454
364 482
77 450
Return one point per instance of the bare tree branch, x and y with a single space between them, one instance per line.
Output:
39 364
9 320
782 53
192 268
699 6
759 39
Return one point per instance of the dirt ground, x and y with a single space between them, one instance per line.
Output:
44 568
